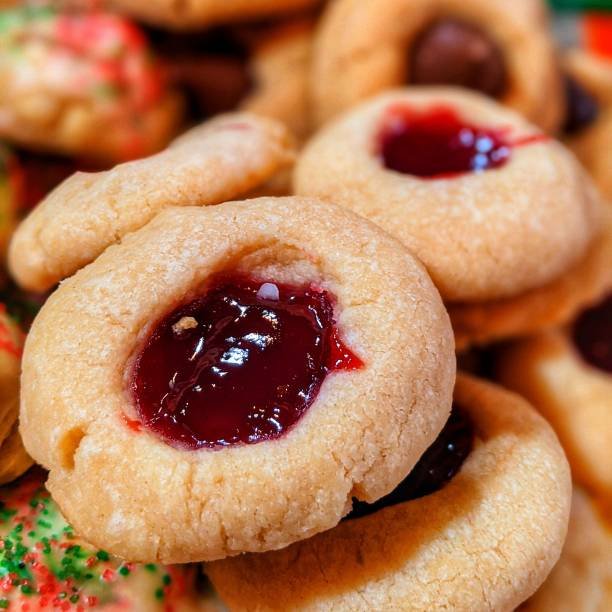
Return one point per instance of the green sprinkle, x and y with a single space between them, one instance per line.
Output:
167 579
151 567
26 589
102 555
124 571
74 598
4 603
159 593
44 524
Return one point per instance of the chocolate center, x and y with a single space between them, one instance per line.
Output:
582 107
437 143
453 52
240 364
440 462
592 335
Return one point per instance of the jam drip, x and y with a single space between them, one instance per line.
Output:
240 364
440 462
593 335
437 143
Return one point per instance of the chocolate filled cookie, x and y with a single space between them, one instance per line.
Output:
364 47
488 500
249 368
472 189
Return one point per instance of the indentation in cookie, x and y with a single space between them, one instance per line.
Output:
582 108
239 364
440 462
592 335
454 52
69 445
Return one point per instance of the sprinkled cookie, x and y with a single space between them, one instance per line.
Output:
466 184
231 391
567 375
81 84
223 158
44 565
477 525
364 47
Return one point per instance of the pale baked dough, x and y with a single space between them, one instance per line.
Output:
61 98
221 159
582 579
486 235
363 47
574 396
542 308
197 14
485 541
134 495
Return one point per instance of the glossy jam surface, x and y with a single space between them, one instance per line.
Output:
238 365
593 335
582 108
454 52
440 462
437 143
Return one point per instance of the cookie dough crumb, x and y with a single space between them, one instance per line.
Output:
183 324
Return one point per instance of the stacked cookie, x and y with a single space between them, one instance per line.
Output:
244 366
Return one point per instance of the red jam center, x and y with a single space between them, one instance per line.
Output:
593 335
437 143
241 364
440 462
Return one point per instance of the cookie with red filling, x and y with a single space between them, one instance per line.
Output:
567 375
82 84
473 190
225 157
488 500
250 367
45 565
364 47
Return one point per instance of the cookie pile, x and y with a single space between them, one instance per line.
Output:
312 307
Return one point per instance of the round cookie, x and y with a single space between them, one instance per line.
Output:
44 565
14 460
504 514
466 184
567 375
9 196
197 14
582 579
93 394
364 47
220 159
280 66
81 84
546 307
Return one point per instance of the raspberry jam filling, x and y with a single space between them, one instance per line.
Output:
454 52
592 335
436 142
440 462
238 365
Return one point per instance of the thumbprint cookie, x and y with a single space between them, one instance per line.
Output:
477 525
229 378
492 206
81 84
223 158
364 47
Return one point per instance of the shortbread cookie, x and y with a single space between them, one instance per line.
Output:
81 84
470 187
223 158
567 374
197 14
280 66
364 47
588 126
326 337
484 541
546 307
44 565
9 197
582 579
